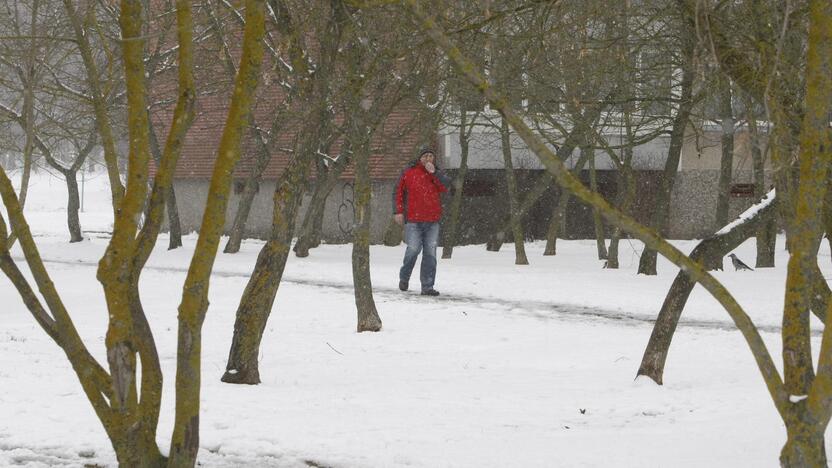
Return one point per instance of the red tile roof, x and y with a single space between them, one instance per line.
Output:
395 142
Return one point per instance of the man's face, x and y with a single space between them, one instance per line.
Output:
427 158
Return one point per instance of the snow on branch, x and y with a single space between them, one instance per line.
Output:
748 214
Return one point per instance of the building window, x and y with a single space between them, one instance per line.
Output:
742 190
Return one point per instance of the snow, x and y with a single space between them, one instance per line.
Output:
528 366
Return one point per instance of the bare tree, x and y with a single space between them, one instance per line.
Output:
659 219
452 220
22 61
726 166
128 401
313 96
766 235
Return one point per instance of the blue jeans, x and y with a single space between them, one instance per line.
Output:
420 237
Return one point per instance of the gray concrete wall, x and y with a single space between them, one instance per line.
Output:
339 215
485 152
693 203
692 210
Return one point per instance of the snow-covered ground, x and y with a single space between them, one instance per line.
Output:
528 366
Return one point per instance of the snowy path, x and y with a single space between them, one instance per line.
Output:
538 309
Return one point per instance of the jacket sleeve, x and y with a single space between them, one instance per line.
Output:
441 180
398 194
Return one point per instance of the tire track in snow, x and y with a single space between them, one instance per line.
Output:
538 309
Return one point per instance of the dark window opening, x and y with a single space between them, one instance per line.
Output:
479 188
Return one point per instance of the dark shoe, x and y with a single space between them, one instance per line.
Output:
430 292
403 285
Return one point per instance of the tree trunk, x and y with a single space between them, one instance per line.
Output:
24 190
133 450
596 214
368 319
827 213
647 263
495 241
716 246
612 252
310 231
174 225
511 185
137 445
807 419
452 221
766 236
194 305
626 196
727 160
558 221
257 300
805 443
235 236
253 313
72 207
28 111
250 189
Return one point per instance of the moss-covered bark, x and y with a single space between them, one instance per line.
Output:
367 313
805 445
51 314
194 304
257 299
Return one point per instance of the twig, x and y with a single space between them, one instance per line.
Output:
331 347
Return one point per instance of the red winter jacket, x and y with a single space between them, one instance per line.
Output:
422 190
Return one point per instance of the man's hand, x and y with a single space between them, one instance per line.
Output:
430 167
398 218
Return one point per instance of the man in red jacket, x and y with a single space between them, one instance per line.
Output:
417 197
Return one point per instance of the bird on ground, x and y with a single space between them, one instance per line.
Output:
738 264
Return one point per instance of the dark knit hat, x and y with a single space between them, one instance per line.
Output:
425 150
